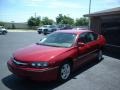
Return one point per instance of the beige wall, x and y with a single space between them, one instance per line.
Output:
17 25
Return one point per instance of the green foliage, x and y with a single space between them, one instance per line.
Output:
47 21
81 22
64 20
2 23
38 21
60 19
34 21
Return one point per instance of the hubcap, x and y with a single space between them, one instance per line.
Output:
65 71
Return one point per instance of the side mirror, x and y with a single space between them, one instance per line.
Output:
81 44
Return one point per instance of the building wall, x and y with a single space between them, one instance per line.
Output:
95 24
109 27
17 25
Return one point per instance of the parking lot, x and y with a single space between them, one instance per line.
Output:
104 75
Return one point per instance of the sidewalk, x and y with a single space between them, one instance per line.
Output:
21 30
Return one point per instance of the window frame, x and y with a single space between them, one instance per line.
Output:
85 36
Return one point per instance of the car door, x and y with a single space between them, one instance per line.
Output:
92 44
88 51
82 50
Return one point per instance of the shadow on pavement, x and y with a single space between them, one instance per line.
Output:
15 83
112 52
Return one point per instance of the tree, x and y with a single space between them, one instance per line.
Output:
34 21
47 21
2 23
81 21
64 20
38 21
59 19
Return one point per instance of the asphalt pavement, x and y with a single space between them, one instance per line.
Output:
104 75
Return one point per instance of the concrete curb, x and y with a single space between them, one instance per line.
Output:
21 30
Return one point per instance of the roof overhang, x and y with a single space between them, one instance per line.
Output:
112 11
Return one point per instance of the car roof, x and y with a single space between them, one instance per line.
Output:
75 31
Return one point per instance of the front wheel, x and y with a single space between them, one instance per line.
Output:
65 71
99 55
4 32
39 32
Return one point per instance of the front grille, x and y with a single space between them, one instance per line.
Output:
40 29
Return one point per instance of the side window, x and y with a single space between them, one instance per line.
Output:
95 36
88 37
82 38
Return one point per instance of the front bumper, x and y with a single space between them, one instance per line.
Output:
47 74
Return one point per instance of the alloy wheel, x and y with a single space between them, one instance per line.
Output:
65 71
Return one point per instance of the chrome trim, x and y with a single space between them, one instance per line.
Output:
19 63
85 54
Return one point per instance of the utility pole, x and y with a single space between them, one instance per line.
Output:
89 14
35 14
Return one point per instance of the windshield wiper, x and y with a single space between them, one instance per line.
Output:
39 43
50 45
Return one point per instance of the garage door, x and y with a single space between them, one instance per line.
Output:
111 31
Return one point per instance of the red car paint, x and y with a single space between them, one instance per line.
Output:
55 56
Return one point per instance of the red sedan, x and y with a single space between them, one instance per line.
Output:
57 55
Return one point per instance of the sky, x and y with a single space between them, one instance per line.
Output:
22 10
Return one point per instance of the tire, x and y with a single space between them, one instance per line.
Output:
39 32
99 55
4 32
64 71
45 33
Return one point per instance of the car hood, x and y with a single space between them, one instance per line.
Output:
38 53
43 28
3 29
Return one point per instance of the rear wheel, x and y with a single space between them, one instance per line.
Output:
64 71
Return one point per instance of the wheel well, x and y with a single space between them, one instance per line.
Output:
70 61
4 31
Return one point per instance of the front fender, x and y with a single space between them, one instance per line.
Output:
71 54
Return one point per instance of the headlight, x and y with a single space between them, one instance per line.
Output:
39 64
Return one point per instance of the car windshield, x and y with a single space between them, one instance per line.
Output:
59 39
